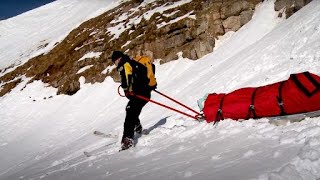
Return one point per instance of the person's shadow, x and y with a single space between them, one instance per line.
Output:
147 131
159 123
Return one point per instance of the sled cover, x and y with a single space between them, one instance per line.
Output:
299 94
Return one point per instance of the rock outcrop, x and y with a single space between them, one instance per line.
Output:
290 6
190 27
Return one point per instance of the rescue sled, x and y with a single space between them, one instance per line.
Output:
300 94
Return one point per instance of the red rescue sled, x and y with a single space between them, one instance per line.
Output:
299 94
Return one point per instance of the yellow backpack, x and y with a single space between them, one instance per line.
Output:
146 61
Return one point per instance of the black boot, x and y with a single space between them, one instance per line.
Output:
126 143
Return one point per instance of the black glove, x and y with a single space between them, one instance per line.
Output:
127 94
153 87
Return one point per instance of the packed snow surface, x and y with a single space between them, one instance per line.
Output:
44 136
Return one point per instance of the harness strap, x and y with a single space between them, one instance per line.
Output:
280 101
251 109
219 115
303 88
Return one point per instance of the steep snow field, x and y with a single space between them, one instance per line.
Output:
44 137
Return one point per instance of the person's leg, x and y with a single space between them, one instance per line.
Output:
130 120
138 126
140 104
128 126
133 110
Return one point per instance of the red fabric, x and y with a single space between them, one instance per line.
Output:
299 94
296 101
237 101
266 101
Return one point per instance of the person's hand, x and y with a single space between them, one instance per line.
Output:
153 87
127 94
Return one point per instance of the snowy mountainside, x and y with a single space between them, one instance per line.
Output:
159 29
47 30
44 138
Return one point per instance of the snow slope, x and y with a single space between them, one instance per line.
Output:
35 32
43 136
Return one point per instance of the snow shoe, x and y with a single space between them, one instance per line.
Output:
126 143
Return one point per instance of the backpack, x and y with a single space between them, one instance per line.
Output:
146 61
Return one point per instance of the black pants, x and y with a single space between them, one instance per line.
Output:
133 110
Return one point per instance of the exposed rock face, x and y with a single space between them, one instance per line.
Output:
190 28
290 6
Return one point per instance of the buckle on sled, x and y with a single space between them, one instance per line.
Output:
200 117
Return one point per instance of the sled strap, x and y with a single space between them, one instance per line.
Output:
312 80
219 115
280 101
251 107
302 87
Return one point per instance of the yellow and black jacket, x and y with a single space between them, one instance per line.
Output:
134 76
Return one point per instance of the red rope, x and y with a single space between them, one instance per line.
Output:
163 105
196 117
177 102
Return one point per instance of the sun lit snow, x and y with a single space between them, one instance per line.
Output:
45 136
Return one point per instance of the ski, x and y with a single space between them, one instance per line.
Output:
112 136
283 120
104 135
99 151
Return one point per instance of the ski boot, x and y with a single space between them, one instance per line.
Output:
126 143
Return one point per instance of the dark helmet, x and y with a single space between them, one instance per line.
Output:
116 55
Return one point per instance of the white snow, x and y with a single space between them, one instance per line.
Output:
90 55
108 69
44 136
188 15
38 31
84 69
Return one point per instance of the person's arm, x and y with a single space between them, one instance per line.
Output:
126 77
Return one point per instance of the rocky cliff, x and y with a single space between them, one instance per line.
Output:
159 29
